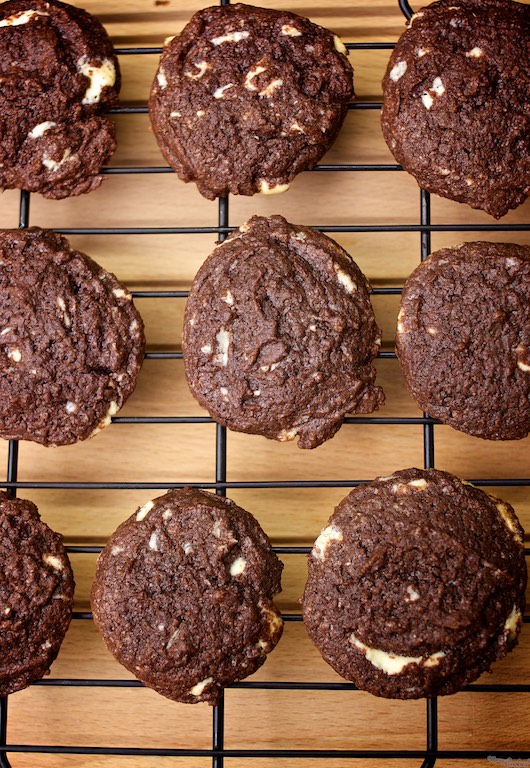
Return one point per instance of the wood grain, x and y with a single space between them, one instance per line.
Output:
144 453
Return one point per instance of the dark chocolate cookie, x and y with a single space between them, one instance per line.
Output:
463 338
279 334
183 595
36 594
417 585
456 110
245 98
58 73
71 340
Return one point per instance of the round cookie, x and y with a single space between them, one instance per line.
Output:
245 98
463 338
58 73
416 585
71 340
36 595
183 595
279 334
456 110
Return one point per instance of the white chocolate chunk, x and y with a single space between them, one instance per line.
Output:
523 366
327 535
228 299
421 52
70 407
121 294
427 99
175 114
508 521
41 129
55 562
106 420
251 74
274 621
238 566
218 93
223 345
206 349
167 514
22 17
393 663
512 623
116 550
413 595
188 549
101 76
257 392
437 86
153 541
297 128
421 483
161 78
172 638
202 66
231 37
344 279
15 355
54 165
266 189
431 331
200 113
291 31
272 86
397 71
474 53
339 45
5 330
287 434
199 687
143 511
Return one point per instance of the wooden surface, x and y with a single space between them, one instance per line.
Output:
168 453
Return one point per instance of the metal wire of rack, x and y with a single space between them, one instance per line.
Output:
431 754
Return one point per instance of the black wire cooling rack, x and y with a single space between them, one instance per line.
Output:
427 757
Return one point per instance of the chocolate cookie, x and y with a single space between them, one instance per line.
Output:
58 73
463 338
416 585
36 595
183 595
71 341
245 98
279 334
456 111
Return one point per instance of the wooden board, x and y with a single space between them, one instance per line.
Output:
178 453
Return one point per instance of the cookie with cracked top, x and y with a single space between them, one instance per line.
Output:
71 340
183 595
463 338
417 585
279 334
245 98
36 595
456 110
58 74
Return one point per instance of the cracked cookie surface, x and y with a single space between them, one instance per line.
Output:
245 98
183 595
417 585
71 340
58 73
279 334
463 338
36 595
456 102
